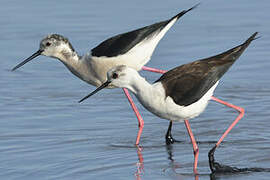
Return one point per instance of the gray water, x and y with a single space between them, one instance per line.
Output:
46 134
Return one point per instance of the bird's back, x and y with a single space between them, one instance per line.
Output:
186 84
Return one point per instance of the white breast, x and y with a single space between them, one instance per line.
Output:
180 113
155 101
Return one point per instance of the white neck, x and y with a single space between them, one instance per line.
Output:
138 84
70 60
79 66
148 94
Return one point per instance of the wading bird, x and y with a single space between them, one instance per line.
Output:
181 93
133 49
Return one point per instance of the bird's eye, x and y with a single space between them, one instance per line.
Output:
115 75
48 44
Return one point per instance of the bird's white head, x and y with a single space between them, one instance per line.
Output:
54 45
119 76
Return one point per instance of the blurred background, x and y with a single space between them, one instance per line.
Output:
46 134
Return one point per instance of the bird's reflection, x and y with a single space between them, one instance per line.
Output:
174 165
139 165
222 169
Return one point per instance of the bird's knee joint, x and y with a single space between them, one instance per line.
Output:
242 110
196 151
141 125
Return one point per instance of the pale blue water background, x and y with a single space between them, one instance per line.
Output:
46 134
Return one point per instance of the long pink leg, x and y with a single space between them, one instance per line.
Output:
153 70
241 114
137 113
214 166
195 147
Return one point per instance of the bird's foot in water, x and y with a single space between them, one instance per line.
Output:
169 140
218 168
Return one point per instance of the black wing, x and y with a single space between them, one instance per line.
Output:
186 84
122 43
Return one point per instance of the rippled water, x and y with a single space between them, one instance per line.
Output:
46 134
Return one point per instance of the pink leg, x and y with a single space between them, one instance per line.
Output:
241 114
214 166
138 115
195 147
153 70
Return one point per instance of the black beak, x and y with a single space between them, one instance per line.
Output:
28 59
95 91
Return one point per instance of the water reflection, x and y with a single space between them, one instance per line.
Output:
139 165
228 170
174 165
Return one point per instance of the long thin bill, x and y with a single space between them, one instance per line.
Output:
28 59
95 91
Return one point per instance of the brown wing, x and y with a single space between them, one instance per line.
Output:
186 84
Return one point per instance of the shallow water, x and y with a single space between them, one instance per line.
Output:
46 134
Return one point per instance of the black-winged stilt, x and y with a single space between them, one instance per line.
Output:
181 93
133 49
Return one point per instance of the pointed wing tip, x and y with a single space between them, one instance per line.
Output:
195 6
13 69
251 38
185 11
82 100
